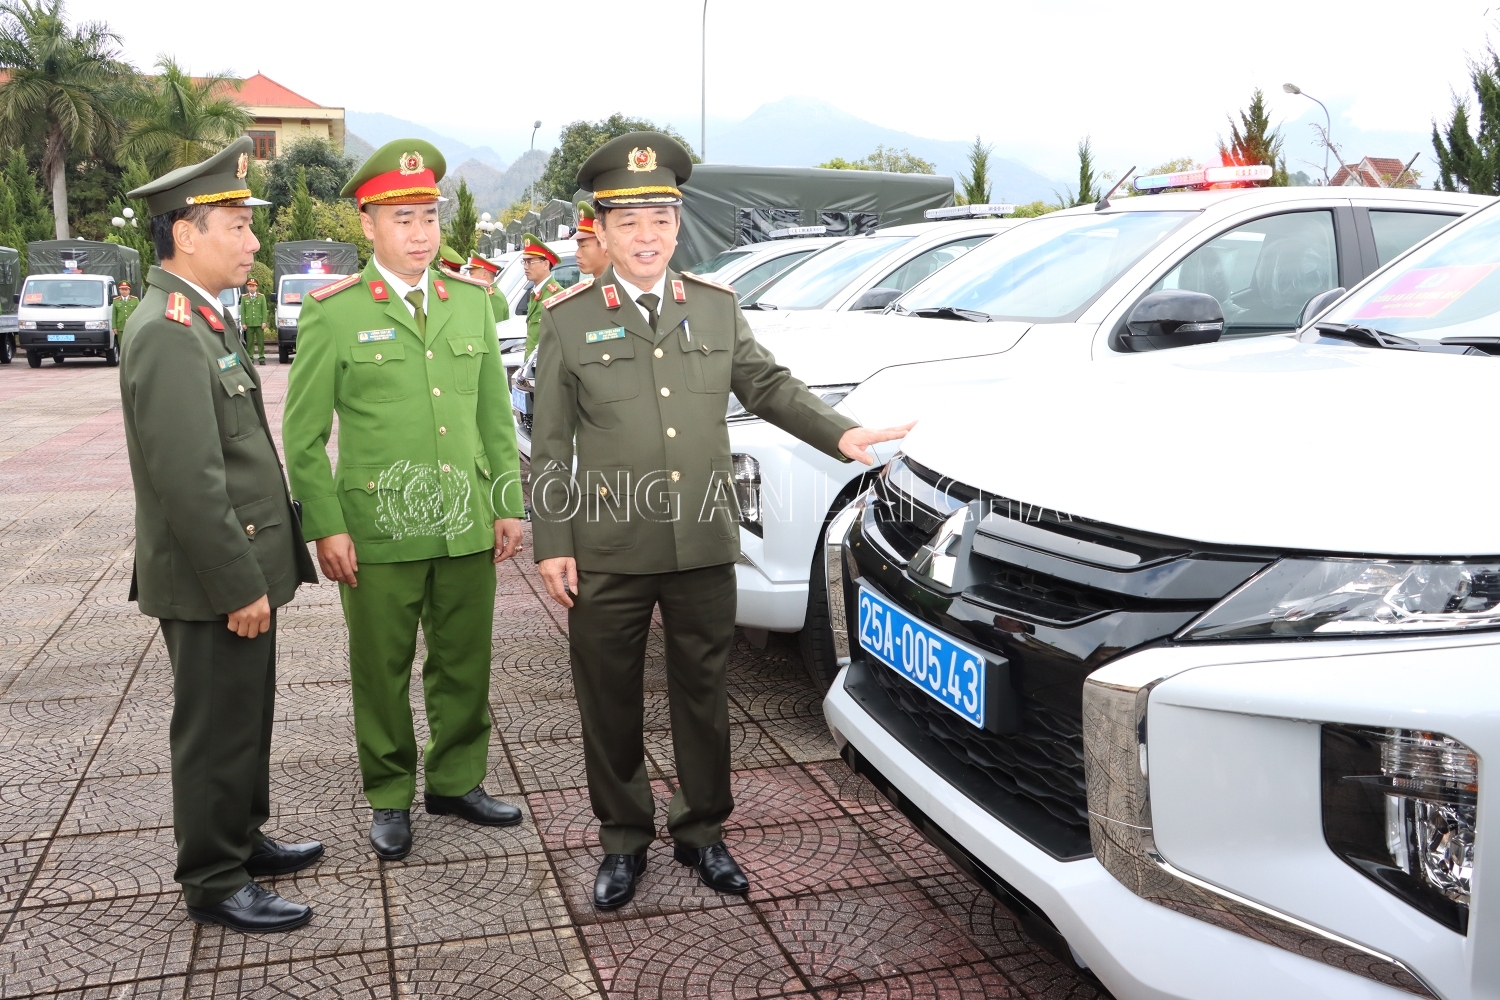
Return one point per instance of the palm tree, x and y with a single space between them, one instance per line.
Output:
176 119
64 85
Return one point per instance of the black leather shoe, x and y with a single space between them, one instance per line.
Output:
253 910
715 867
614 886
271 858
476 807
390 833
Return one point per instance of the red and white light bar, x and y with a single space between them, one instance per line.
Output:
1204 177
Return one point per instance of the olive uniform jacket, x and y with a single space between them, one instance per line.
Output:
534 300
214 528
426 442
653 491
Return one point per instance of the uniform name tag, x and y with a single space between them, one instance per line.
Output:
594 336
367 336
228 361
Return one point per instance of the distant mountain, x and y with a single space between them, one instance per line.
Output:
495 190
356 148
380 129
804 131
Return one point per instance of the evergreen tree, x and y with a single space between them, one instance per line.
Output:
976 186
31 218
260 219
1471 162
891 161
1253 141
136 232
460 235
1088 190
303 226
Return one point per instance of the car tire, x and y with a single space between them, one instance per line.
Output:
283 356
33 359
7 348
112 356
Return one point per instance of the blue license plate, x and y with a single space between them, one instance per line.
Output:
60 338
946 669
520 400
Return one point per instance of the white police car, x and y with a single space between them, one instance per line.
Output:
1192 658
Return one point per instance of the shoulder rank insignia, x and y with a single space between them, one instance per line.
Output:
177 309
319 294
379 292
213 319
611 297
679 293
568 293
705 281
442 291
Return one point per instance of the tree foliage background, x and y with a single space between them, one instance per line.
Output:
1253 141
578 142
895 161
1469 160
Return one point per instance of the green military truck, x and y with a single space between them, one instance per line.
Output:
301 267
10 282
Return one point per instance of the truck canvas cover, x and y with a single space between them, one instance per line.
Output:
314 257
10 283
84 257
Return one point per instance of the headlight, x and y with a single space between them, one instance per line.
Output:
747 488
830 394
1295 598
95 324
1400 806
26 324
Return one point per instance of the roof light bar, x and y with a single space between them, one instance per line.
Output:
1204 177
780 234
969 211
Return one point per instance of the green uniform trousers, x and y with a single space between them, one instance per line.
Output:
255 336
454 600
223 699
607 629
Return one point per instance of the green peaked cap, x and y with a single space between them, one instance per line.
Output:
220 180
637 169
402 172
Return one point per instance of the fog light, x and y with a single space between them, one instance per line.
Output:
1400 806
747 488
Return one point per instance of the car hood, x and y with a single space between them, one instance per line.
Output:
1267 442
832 348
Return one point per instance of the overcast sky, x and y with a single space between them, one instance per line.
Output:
1032 77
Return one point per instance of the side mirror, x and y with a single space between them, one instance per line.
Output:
876 298
16 297
1318 303
1173 318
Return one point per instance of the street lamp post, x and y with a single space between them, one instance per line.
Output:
1292 88
531 191
703 81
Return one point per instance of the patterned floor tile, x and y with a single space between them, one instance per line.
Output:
28 811
772 796
852 791
105 866
541 965
92 944
18 860
966 982
723 952
905 845
348 917
475 898
346 977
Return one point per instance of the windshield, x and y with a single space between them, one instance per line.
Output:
1448 288
63 293
812 283
230 297
1047 270
292 289
717 262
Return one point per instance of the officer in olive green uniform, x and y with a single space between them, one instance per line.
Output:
120 310
634 383
217 545
539 260
426 496
253 317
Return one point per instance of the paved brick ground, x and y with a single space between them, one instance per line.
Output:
848 901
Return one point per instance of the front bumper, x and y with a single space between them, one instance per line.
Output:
88 342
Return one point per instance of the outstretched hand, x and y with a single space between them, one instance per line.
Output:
856 441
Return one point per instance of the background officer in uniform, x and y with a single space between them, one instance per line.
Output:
538 260
485 272
217 547
120 310
592 260
425 500
636 368
254 315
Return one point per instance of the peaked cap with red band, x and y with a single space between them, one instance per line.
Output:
532 246
585 220
403 172
480 262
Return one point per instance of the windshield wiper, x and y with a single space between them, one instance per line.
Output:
897 309
758 305
952 312
1367 336
1484 345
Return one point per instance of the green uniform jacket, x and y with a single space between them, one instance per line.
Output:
653 492
119 312
545 290
253 311
213 521
499 304
426 443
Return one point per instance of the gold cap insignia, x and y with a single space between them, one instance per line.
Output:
411 163
641 160
243 167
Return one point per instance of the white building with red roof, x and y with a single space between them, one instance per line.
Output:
283 116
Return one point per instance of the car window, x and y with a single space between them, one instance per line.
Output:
766 270
1264 272
717 262
1397 232
566 272
1048 270
228 297
821 276
63 293
913 271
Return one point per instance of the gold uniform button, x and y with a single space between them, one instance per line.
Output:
250 530
657 352
676 475
442 430
436 391
471 348
604 357
671 432
429 355
603 490
665 391
377 357
370 485
240 388
447 467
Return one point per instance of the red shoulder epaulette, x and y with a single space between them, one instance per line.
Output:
705 281
213 319
178 310
319 294
567 293
440 288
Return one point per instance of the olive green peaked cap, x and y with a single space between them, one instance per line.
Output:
637 169
219 180
402 172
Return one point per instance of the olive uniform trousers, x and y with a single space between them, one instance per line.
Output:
607 628
223 700
454 600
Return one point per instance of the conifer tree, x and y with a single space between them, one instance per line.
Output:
1471 162
304 226
1254 141
976 186
460 235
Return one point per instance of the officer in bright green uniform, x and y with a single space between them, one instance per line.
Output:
633 381
538 260
486 271
120 310
425 499
253 317
450 260
217 546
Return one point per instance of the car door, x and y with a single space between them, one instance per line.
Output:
908 273
1387 231
763 271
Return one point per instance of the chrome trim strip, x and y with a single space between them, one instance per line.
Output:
1034 537
1116 764
835 539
